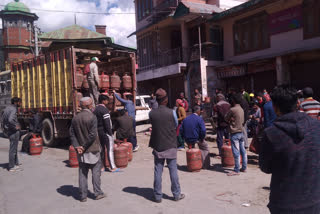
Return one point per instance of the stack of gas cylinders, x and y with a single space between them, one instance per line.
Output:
122 155
109 81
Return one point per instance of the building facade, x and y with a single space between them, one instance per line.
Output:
175 43
268 43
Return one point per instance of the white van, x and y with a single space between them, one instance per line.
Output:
142 108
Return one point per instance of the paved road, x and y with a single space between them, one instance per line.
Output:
48 186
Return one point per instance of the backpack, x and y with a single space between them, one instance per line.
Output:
86 70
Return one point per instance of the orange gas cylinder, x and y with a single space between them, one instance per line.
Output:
36 145
78 98
227 159
104 82
129 146
194 161
121 156
115 81
79 78
126 82
85 83
73 159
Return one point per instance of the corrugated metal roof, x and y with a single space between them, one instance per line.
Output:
73 32
185 8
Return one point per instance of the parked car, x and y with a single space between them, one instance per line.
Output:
142 108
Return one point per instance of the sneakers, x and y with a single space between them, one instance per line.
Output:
180 197
136 148
15 169
98 197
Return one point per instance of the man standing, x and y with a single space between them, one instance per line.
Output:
164 143
309 105
193 130
129 106
93 80
235 118
269 114
84 138
12 129
105 131
153 104
290 151
222 108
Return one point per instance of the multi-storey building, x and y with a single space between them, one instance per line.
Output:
170 35
268 43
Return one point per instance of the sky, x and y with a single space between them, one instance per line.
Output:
119 26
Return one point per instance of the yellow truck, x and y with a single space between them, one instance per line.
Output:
52 84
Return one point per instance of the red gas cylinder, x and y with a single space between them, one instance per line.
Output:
79 78
127 82
227 159
115 81
73 159
121 156
78 98
194 161
85 83
104 82
36 145
129 147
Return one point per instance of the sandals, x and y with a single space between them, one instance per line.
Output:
116 170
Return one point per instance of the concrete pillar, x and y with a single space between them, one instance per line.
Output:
283 74
184 41
204 84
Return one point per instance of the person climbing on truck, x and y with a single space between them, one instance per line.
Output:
93 79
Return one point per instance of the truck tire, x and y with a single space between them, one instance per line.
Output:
47 132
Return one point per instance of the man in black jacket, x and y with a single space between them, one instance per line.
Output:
123 126
84 138
164 143
105 130
290 151
12 128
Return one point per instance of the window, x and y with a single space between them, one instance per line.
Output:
144 8
251 34
311 18
147 49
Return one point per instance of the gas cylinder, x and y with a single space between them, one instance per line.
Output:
104 81
227 159
73 159
121 156
85 83
79 78
129 146
127 82
207 100
115 81
36 145
194 161
78 98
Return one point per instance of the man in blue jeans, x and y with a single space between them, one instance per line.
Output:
164 143
235 118
129 106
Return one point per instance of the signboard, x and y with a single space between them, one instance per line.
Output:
231 71
285 20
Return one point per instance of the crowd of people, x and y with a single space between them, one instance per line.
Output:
286 121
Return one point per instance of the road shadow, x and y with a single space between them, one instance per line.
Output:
147 193
253 159
4 165
72 191
220 168
182 168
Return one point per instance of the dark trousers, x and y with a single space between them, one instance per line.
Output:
221 132
310 210
13 151
83 178
106 142
133 139
157 184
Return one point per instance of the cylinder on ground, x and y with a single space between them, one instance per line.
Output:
121 156
194 161
227 159
73 159
36 145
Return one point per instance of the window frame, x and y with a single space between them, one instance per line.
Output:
254 23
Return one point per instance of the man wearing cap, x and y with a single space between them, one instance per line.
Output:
85 139
164 143
93 80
